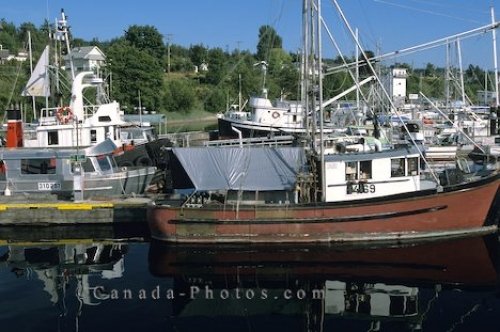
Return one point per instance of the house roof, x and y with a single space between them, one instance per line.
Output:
87 52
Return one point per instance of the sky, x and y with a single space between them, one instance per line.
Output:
384 25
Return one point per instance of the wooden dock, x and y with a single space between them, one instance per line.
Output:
41 212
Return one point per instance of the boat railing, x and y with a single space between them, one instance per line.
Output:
273 141
48 115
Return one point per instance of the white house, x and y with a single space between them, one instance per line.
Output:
398 86
86 58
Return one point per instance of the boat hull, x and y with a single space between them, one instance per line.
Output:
456 211
250 129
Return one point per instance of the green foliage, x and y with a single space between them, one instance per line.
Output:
268 40
217 69
216 101
146 38
133 71
198 54
178 96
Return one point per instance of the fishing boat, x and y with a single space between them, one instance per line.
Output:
265 118
71 172
308 194
369 196
83 121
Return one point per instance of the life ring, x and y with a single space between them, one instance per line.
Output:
427 121
64 114
275 115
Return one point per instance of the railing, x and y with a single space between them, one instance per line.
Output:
48 115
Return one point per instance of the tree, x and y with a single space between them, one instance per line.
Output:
216 100
8 36
133 71
216 66
268 39
364 69
146 38
198 54
178 96
430 70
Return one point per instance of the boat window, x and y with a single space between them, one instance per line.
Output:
93 136
105 118
351 170
365 169
397 167
413 166
103 162
52 138
38 166
124 135
87 166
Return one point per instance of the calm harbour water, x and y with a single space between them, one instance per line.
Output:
106 285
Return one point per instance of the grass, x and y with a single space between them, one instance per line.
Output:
192 121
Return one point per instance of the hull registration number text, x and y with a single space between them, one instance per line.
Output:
47 186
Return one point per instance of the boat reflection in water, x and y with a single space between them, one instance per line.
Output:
47 277
57 265
318 288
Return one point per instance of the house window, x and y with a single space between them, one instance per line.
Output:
53 138
397 167
351 170
365 169
38 166
413 168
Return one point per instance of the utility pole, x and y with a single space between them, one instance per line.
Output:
169 39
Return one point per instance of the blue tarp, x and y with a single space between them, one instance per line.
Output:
236 168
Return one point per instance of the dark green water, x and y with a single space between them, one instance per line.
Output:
109 285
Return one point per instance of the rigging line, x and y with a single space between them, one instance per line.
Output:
372 37
448 6
425 11
454 124
273 25
384 91
9 101
335 44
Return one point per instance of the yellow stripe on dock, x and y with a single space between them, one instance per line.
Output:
59 206
39 243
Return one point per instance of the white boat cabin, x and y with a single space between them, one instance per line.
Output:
281 114
355 176
85 124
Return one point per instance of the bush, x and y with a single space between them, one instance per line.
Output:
179 96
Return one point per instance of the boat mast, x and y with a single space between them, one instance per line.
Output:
304 92
447 78
320 97
495 58
63 30
31 72
460 65
357 71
